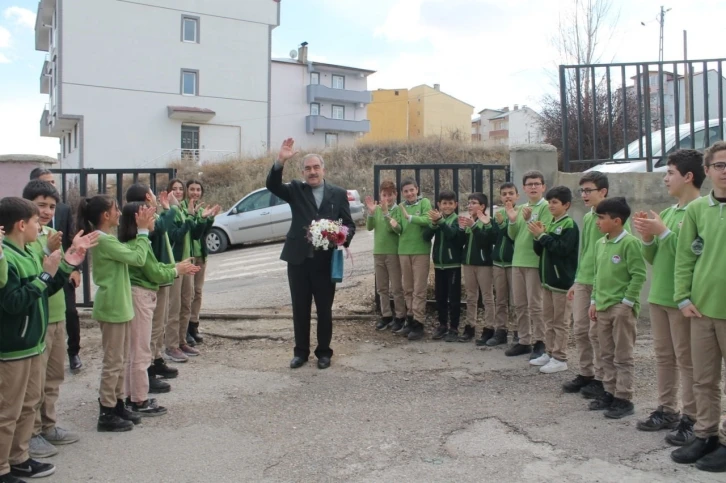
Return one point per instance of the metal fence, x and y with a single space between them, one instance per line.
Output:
652 108
81 183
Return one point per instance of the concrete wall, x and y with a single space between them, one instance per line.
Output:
14 175
388 114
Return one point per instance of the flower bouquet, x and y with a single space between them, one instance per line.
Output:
329 235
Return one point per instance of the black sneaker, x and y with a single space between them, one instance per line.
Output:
452 336
148 408
500 337
538 350
384 323
593 390
518 350
108 421
714 462
32 469
620 408
576 384
122 412
405 328
693 452
602 403
157 386
468 334
190 340
440 332
486 335
397 324
417 331
164 371
9 478
659 419
683 434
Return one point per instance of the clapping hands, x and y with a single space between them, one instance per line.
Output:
536 228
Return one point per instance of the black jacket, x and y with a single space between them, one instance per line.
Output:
557 250
304 210
63 221
479 244
448 242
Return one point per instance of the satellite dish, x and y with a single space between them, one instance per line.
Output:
293 54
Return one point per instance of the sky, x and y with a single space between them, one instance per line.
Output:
487 53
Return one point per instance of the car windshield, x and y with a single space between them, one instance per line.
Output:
686 141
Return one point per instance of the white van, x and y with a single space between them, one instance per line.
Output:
660 160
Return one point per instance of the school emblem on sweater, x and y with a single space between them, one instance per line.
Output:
558 230
697 246
616 259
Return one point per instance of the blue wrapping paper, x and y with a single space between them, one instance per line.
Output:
336 267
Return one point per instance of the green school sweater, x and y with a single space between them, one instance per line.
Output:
448 242
524 255
411 241
557 251
180 234
479 244
385 237
589 237
152 274
111 260
160 243
700 270
3 270
504 246
619 272
56 302
661 254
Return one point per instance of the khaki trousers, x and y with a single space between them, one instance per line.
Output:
52 375
198 282
480 279
503 290
180 308
20 390
136 378
586 333
415 271
527 292
672 344
617 331
115 340
557 312
708 349
161 313
389 283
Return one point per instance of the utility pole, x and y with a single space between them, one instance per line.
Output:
687 80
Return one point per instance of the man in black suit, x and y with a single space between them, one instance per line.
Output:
308 270
63 222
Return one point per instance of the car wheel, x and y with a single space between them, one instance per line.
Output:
216 241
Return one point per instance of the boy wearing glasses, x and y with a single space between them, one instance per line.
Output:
700 275
526 285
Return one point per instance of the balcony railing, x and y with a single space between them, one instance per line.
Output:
317 92
320 123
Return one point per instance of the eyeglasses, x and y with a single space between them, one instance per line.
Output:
717 166
587 191
533 185
472 202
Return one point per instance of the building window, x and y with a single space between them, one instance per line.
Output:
331 140
190 29
338 82
314 109
315 78
338 112
190 82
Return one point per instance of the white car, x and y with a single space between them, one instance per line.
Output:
660 160
260 216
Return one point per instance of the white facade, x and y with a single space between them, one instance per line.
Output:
510 127
114 77
317 104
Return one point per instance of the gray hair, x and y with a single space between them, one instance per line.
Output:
313 155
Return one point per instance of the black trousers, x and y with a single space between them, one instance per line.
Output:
73 324
311 280
448 295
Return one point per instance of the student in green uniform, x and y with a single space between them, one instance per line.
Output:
446 255
671 330
480 235
112 306
502 256
46 433
615 304
381 220
414 253
145 282
700 277
526 286
3 261
556 245
24 315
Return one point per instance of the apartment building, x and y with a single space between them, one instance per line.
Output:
508 127
135 83
389 115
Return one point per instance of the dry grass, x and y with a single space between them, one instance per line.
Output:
350 167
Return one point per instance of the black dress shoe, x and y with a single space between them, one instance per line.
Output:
297 362
75 362
323 362
693 452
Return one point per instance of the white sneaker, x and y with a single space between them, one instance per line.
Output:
540 361
553 366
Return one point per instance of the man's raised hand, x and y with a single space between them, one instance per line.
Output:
287 151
